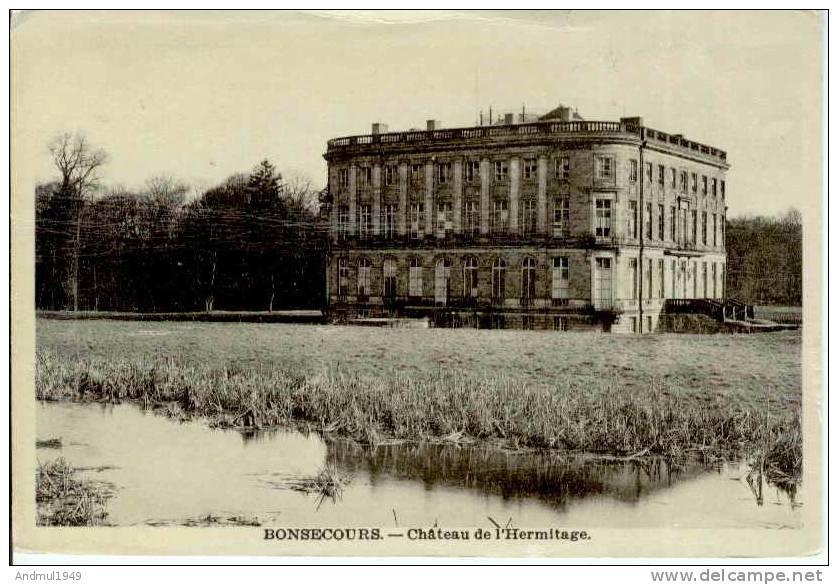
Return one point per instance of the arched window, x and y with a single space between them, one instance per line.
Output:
442 281
390 279
527 280
415 279
363 278
498 280
470 278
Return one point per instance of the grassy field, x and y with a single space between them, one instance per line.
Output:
581 391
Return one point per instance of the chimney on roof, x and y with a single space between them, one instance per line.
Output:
509 118
434 125
379 128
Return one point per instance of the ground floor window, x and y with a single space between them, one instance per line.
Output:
498 280
602 283
470 280
560 278
343 277
528 280
415 278
559 323
363 278
442 281
390 279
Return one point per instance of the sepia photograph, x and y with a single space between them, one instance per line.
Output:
472 283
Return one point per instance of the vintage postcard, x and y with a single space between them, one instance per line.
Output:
522 284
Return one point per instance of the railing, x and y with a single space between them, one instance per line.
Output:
710 307
535 128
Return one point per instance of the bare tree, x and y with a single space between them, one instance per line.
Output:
300 194
78 164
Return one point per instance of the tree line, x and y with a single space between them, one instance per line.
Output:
765 259
252 242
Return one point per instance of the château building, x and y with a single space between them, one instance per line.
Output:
555 223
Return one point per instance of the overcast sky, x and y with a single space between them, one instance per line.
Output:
203 95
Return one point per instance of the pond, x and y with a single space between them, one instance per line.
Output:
164 472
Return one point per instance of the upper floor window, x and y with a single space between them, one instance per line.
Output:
500 216
472 171
444 225
471 217
694 182
672 178
704 227
501 170
528 216
416 212
713 188
660 222
443 172
703 185
364 220
388 221
632 171
343 222
723 188
530 169
417 172
561 216
603 218
661 175
391 175
683 181
364 176
631 219
647 221
563 168
343 178
604 167
673 223
648 172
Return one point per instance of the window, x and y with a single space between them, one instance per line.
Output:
528 216
704 228
561 216
530 169
527 322
442 281
343 222
683 181
694 224
416 212
470 275
604 168
417 172
633 321
631 219
603 218
363 278
722 280
633 277
660 279
672 223
364 221
472 217
501 171
563 168
527 280
632 171
560 289
673 288
648 172
703 185
715 231
500 216
713 278
723 188
343 178
722 229
343 277
694 182
648 279
498 280
648 323
672 178
704 280
695 279
661 174
559 323
365 176
444 225
391 175
443 172
713 189
472 171
647 222
388 221
415 278
661 231
390 279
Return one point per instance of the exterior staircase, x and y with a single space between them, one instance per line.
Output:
732 314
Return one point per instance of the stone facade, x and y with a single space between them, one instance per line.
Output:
559 223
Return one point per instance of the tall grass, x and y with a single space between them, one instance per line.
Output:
64 500
600 416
